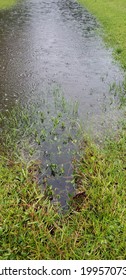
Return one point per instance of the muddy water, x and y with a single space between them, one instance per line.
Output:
46 44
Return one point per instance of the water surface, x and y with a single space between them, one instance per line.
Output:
51 43
45 44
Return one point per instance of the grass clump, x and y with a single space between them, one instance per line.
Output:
112 15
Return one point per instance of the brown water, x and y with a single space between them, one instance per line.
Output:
46 44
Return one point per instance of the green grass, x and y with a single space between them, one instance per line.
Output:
32 228
112 16
94 226
4 4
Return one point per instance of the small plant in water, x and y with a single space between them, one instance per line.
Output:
119 92
54 169
48 192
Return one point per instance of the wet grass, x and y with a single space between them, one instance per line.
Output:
5 4
48 131
31 226
112 15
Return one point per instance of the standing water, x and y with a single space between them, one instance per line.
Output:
45 44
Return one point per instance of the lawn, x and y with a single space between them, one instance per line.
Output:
112 16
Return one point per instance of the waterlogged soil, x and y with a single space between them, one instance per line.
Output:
52 44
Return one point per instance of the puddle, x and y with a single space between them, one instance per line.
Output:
53 43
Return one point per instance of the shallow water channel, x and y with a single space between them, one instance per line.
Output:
49 44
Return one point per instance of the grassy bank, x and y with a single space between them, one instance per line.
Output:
112 15
4 4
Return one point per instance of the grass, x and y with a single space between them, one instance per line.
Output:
4 4
112 16
31 227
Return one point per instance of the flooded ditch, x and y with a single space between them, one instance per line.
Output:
52 44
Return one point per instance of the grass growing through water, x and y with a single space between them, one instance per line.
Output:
48 131
31 227
112 15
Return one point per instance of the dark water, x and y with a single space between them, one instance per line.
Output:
53 43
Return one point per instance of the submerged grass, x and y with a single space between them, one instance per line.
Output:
31 227
48 131
112 15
